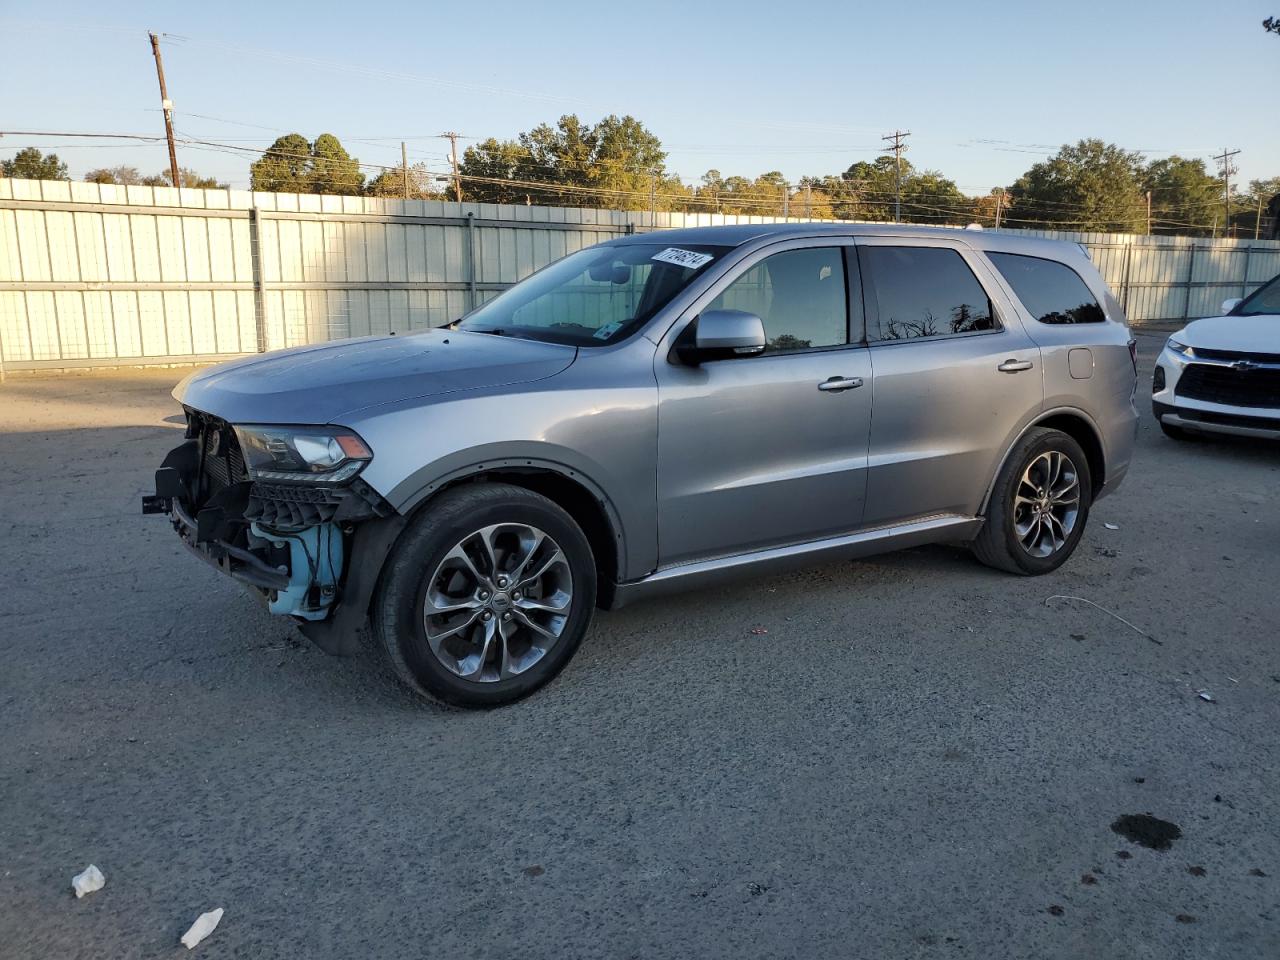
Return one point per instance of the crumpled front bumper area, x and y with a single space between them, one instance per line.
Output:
291 542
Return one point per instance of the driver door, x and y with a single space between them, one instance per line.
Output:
755 452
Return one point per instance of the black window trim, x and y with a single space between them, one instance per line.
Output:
871 305
1013 293
845 245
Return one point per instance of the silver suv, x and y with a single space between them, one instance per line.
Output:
658 412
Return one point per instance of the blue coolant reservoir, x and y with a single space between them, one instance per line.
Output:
315 556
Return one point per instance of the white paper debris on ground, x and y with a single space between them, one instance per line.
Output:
1205 695
205 924
1112 526
88 881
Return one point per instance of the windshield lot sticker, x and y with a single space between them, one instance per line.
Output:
683 258
608 330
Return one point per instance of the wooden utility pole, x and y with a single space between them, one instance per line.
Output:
999 206
1224 158
404 167
808 201
167 106
1148 213
897 137
786 201
453 159
1257 220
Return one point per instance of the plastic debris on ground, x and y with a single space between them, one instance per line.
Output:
1205 695
88 881
205 924
1112 526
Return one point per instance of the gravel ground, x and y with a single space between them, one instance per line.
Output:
920 758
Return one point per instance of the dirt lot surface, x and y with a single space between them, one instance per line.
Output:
919 758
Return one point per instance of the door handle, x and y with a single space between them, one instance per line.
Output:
836 384
1013 366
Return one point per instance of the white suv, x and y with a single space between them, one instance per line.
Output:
1222 374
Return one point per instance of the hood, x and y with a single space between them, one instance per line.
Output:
321 383
1256 334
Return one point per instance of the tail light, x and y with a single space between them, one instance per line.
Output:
1133 355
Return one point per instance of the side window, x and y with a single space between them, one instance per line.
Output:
922 292
800 295
1052 292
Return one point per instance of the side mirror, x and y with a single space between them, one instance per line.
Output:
722 335
1231 304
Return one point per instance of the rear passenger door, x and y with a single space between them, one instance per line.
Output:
955 377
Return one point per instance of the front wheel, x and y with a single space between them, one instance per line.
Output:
1039 505
486 596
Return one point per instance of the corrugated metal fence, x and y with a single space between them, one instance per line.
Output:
96 275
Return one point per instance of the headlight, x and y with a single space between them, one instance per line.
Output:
310 454
1181 349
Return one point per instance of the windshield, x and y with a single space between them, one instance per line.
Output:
595 296
1266 299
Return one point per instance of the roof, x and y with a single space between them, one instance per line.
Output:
733 235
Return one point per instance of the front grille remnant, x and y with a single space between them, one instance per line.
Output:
286 506
221 462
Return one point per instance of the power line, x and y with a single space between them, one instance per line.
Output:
898 136
958 209
361 70
1228 169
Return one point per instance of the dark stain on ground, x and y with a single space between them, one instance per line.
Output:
1088 879
1185 918
1056 910
1124 854
1147 831
536 870
1196 871
1255 872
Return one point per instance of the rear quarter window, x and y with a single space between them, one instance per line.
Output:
1052 292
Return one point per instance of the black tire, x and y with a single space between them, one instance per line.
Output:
997 545
1176 433
397 615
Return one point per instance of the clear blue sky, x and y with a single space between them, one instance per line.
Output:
986 88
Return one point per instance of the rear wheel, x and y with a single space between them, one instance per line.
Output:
1038 507
486 597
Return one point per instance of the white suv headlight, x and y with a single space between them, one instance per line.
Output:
1181 349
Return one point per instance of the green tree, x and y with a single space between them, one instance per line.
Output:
1185 197
30 164
194 181
492 169
1245 218
122 175
390 183
866 191
615 163
1087 186
333 170
285 166
292 165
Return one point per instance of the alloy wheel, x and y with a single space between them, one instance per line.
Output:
1046 503
497 602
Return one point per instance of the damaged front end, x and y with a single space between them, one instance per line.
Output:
282 509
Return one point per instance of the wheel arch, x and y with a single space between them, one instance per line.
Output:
1076 424
571 490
